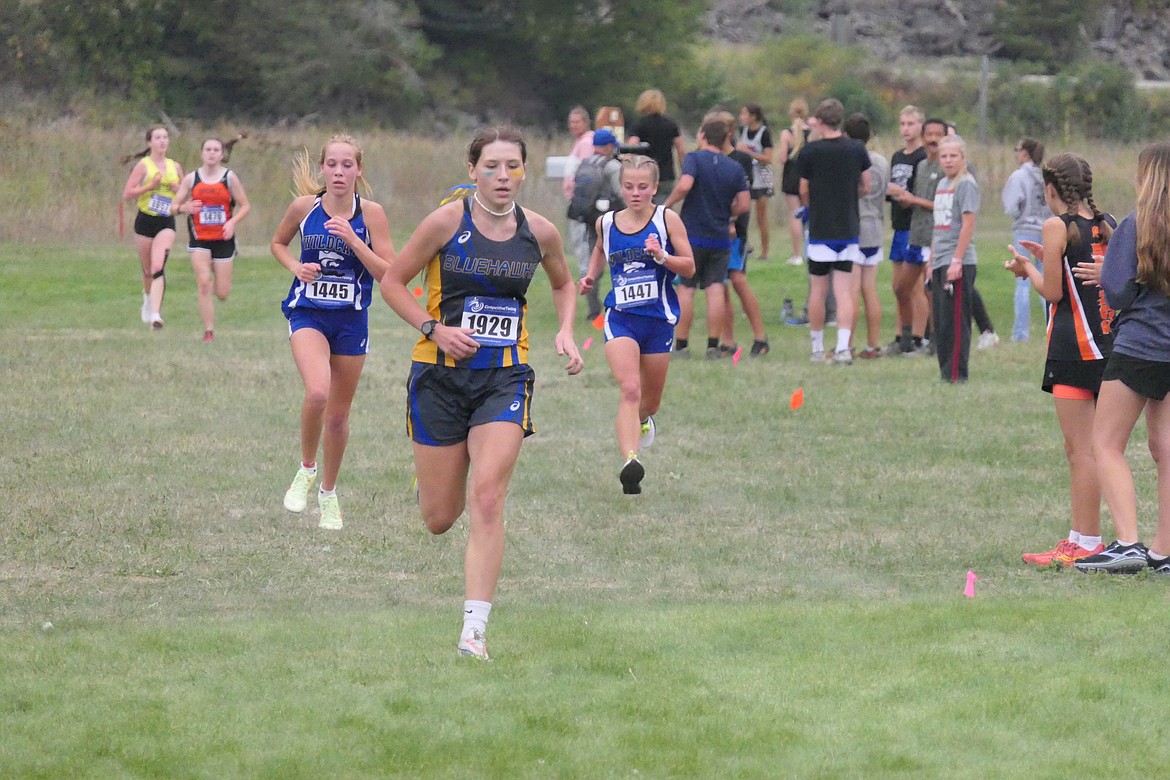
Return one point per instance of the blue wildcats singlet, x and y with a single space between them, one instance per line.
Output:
640 285
344 283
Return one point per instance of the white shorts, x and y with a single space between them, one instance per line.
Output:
834 252
870 256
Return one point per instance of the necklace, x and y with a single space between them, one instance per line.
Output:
503 213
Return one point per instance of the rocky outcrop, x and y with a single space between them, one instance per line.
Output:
940 27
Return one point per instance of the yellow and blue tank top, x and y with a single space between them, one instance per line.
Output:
157 202
475 282
640 285
345 283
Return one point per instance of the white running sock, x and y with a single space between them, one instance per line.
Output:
475 615
843 335
1089 542
327 493
1075 538
818 340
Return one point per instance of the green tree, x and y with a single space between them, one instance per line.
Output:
1048 32
530 60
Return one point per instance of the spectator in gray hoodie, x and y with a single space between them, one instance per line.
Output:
1023 201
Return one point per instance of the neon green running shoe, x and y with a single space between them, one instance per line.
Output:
297 496
330 512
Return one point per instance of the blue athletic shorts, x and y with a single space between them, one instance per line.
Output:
917 255
737 262
652 334
898 245
443 403
346 330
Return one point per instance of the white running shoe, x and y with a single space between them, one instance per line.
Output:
145 309
818 356
843 357
474 644
297 496
330 513
796 260
987 340
647 433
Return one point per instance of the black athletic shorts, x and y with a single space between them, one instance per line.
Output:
1082 374
1148 378
444 403
150 225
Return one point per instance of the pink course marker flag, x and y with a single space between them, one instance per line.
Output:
969 591
588 343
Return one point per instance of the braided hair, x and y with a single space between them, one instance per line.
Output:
1071 177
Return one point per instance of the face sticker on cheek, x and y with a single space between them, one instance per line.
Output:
490 173
516 173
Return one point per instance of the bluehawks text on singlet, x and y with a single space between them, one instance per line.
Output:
487 266
319 241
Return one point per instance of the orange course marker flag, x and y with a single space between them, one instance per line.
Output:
599 321
797 399
418 292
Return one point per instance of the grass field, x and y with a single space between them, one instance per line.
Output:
784 600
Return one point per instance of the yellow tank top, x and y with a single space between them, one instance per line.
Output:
157 202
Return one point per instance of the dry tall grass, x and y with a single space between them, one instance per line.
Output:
60 181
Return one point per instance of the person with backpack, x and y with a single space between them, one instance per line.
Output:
596 190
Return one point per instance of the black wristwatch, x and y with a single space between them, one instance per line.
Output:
428 328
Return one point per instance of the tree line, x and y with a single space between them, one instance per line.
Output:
388 61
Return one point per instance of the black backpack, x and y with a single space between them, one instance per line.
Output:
591 184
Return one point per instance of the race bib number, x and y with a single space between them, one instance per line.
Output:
495 321
635 288
330 291
212 215
159 204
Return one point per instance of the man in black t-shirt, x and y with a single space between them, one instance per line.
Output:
834 172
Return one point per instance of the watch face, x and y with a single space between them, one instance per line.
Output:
428 328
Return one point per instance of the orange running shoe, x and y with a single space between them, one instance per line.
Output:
1045 558
1074 552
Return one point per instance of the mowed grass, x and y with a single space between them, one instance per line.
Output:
784 600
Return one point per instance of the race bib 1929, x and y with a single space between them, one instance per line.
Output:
495 321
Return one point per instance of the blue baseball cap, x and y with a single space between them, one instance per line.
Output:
604 137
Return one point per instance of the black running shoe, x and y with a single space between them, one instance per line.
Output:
1161 568
631 477
1116 559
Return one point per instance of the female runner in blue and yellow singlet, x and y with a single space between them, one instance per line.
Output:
645 246
345 247
153 182
470 385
